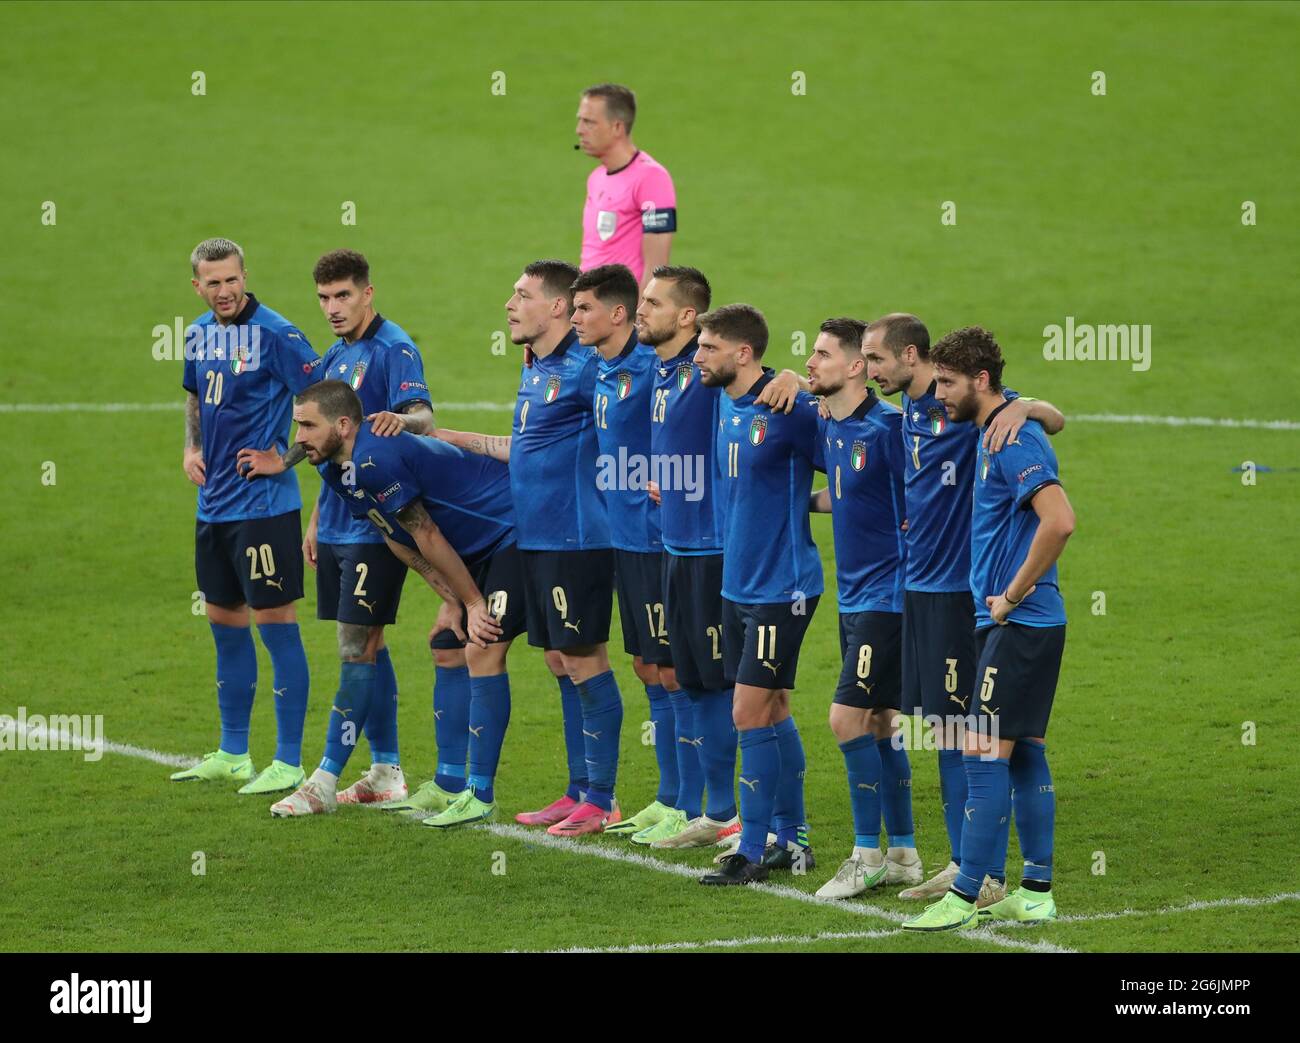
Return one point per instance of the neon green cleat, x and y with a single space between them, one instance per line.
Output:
665 829
467 808
218 766
425 802
1024 906
949 913
643 819
279 776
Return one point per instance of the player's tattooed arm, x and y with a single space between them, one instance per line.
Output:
192 462
1007 424
495 446
820 502
419 564
480 626
415 417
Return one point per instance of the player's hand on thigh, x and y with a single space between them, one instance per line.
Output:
481 627
194 467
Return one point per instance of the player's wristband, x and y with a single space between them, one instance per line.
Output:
1007 598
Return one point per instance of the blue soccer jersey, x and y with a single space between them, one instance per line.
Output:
624 389
553 453
684 419
862 456
245 376
384 368
940 459
766 465
466 495
1003 524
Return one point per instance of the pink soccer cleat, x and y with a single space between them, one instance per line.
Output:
549 815
586 818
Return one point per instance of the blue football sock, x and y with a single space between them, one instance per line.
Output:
952 787
988 803
760 770
289 661
664 731
896 793
787 809
236 684
357 683
862 763
489 716
716 732
1035 808
381 724
575 747
451 696
690 772
602 723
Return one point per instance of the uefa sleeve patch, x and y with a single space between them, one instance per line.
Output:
659 220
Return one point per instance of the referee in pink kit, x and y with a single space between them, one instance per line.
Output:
631 210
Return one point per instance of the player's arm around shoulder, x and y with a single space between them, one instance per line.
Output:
1007 424
782 391
495 446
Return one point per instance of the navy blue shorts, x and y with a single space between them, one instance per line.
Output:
872 646
500 577
255 562
358 583
639 581
692 585
569 597
760 643
938 653
1017 674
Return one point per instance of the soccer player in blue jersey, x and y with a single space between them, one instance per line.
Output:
604 306
771 583
243 364
563 534
939 650
447 514
860 448
358 580
684 423
1020 524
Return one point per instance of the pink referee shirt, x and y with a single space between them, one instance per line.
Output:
623 205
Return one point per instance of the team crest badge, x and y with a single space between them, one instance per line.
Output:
238 362
858 456
552 389
358 375
938 420
757 430
606 222
624 384
683 376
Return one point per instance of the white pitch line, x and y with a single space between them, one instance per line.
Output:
732 943
1188 907
64 740
508 407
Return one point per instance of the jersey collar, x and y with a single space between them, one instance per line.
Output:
687 353
627 350
625 165
373 328
759 384
246 312
993 414
570 339
865 406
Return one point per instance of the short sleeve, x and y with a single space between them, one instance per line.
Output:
293 361
406 381
657 200
1027 465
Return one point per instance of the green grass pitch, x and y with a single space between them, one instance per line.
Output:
1117 208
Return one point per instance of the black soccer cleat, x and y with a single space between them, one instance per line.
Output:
794 859
736 870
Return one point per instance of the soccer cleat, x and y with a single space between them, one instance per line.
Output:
557 811
991 892
428 800
736 870
643 819
900 872
668 826
311 798
792 858
218 766
727 833
464 809
699 832
1023 906
730 843
279 776
381 784
586 818
854 877
936 887
949 913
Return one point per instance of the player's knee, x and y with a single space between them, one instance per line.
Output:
449 658
555 662
354 641
646 673
668 678
846 723
486 662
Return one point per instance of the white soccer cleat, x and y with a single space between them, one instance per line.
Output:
730 844
311 798
936 887
903 871
992 891
855 875
699 832
381 783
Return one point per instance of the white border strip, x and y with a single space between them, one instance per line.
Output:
64 739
